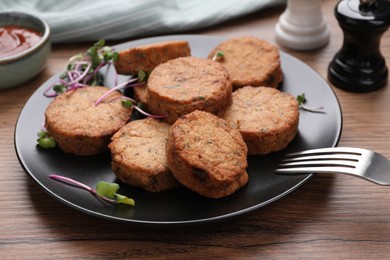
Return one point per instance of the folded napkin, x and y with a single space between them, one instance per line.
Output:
85 20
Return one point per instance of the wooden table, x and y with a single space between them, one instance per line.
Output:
330 217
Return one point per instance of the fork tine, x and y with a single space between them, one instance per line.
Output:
332 150
318 169
319 163
349 157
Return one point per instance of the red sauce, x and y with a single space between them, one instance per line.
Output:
15 39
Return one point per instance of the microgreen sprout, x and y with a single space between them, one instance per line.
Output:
45 141
218 56
59 88
143 76
302 100
129 102
83 69
148 114
104 190
118 87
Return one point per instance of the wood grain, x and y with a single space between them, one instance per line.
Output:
330 217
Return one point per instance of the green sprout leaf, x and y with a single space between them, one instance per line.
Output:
115 56
106 189
45 141
143 76
127 103
42 134
124 200
108 54
59 88
301 99
93 53
100 43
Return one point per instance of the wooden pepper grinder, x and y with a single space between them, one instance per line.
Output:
302 26
359 65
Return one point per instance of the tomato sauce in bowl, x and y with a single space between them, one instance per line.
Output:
24 47
16 39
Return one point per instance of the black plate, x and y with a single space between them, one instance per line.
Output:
180 206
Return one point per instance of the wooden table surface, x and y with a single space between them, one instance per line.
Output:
329 217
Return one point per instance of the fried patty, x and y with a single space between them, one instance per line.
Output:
250 61
206 155
79 126
138 155
266 117
183 85
147 57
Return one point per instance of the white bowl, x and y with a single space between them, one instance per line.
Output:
19 68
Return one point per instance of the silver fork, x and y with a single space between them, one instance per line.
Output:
358 162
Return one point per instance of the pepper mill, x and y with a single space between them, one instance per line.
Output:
302 26
359 66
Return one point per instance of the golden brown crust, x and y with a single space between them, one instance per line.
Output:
266 117
141 94
79 126
183 85
206 155
138 155
147 57
250 61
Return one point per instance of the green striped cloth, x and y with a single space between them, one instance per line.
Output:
86 20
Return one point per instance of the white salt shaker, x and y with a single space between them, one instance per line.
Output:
302 26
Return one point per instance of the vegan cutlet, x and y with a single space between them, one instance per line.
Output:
183 85
250 61
147 57
206 155
138 155
266 117
79 126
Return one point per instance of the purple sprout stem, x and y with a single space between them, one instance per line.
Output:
76 73
126 98
80 62
148 114
64 82
48 89
80 77
120 86
70 76
313 109
76 86
142 111
80 185
77 64
89 76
